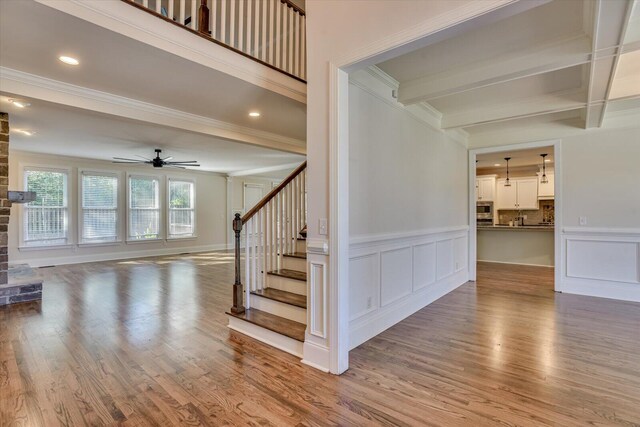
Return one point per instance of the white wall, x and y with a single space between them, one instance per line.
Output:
408 213
210 213
340 33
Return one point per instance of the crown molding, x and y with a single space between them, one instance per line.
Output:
38 87
124 19
267 169
383 77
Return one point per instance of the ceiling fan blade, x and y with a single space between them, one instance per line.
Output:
182 164
128 162
167 158
184 161
142 157
123 158
175 166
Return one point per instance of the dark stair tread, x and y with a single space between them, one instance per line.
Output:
302 238
303 232
274 323
291 274
301 255
283 296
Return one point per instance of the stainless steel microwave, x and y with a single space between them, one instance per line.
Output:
484 210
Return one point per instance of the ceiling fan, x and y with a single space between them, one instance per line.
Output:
158 162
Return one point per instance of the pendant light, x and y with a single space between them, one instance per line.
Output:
544 179
507 183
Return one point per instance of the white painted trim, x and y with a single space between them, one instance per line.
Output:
266 336
473 229
119 207
609 231
317 246
161 201
378 238
143 27
167 207
268 169
316 356
119 255
34 86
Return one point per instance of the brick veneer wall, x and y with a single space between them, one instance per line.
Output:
5 205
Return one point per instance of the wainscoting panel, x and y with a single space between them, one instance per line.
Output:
602 262
424 265
393 276
318 297
396 275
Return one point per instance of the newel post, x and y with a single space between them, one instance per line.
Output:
203 18
237 307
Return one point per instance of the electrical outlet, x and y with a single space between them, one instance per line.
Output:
369 303
322 226
583 220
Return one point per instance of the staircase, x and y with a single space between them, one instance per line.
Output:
271 304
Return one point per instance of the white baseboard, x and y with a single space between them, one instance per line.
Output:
601 289
113 256
266 336
516 263
367 327
316 356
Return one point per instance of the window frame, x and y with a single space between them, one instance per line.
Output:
119 210
129 239
68 196
192 181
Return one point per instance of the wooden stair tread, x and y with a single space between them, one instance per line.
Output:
290 274
277 324
301 255
283 296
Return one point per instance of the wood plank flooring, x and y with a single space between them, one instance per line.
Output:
145 342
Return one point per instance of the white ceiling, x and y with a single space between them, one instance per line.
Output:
68 131
32 36
519 158
560 61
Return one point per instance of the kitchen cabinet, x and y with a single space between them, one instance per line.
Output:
546 191
485 188
522 194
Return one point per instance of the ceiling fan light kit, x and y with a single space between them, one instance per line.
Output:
158 162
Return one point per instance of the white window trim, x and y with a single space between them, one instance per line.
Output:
22 245
170 178
160 237
119 228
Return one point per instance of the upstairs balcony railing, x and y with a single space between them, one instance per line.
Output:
271 32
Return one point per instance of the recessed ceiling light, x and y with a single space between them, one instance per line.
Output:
496 164
254 114
19 104
68 60
24 132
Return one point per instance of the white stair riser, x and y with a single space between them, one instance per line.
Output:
288 311
291 263
301 246
271 338
286 284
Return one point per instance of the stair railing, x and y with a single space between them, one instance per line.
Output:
271 230
272 32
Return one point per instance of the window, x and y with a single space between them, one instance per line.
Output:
99 209
144 208
45 219
181 209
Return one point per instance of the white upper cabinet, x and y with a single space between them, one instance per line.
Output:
522 194
485 188
546 191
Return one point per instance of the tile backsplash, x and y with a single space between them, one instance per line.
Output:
544 214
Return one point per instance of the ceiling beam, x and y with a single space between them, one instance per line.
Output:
539 105
268 169
610 26
560 55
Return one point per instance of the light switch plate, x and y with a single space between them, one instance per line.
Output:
583 220
322 226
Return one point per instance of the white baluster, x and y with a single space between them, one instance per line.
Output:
213 21
170 11
263 51
267 227
241 25
232 23
158 6
264 257
145 3
256 33
274 236
247 256
194 15
272 37
249 26
296 43
223 21
303 43
278 34
182 9
258 257
290 43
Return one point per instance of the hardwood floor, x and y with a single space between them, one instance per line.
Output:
145 342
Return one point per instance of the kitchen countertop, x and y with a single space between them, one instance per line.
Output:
519 228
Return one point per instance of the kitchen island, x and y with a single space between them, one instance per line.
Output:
528 244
